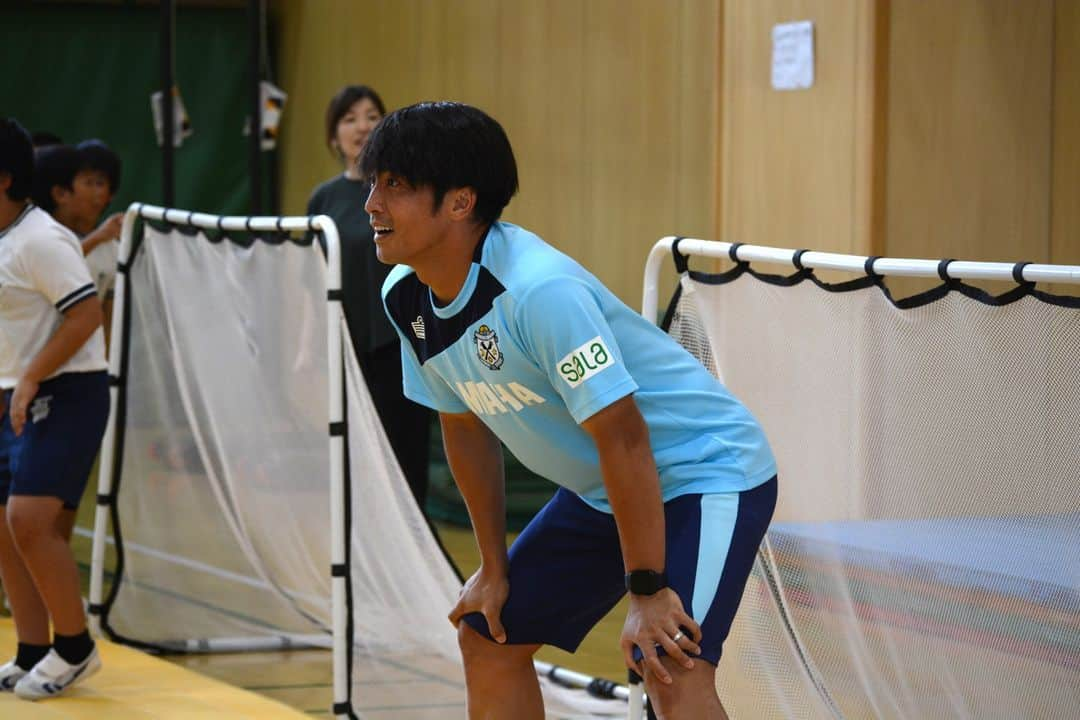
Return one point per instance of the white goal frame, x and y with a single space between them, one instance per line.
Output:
335 423
799 259
338 640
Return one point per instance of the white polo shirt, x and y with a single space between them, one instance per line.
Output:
42 274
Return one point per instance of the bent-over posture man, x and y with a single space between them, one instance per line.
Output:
55 404
667 482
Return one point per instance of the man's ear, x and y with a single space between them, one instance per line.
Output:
462 203
5 181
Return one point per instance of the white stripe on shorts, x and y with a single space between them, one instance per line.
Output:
718 514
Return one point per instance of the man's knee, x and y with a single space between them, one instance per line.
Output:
691 694
479 650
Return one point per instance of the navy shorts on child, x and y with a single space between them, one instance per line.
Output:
566 567
55 453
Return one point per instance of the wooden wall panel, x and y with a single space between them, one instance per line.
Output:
1065 201
969 118
542 42
792 158
611 106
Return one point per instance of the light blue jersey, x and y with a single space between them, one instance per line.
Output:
534 345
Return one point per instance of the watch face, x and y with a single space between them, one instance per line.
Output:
645 582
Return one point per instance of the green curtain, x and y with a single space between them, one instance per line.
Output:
87 71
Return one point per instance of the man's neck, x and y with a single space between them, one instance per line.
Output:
10 210
448 269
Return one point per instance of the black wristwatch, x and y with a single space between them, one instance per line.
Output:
645 582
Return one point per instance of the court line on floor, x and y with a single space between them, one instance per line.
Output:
304 686
388 708
299 686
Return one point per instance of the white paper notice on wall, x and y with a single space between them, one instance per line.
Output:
793 55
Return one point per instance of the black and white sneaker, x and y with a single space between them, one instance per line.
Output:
53 675
10 673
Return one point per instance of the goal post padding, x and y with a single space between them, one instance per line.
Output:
922 560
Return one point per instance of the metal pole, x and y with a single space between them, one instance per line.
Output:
255 26
108 446
167 38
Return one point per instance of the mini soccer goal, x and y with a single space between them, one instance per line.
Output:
923 558
254 500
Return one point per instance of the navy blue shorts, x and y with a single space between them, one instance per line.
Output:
64 426
566 568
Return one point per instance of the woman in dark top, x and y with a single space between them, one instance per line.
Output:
351 116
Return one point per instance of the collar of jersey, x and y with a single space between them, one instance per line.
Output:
448 311
456 305
19 219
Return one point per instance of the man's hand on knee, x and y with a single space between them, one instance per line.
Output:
655 621
485 593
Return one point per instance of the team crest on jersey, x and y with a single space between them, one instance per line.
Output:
487 347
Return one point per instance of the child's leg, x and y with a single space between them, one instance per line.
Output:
36 525
27 608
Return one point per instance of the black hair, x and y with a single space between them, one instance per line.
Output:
16 158
96 155
446 145
344 99
54 165
44 138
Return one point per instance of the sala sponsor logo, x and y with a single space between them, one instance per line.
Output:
495 398
585 361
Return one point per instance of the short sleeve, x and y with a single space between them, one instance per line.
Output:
562 324
57 269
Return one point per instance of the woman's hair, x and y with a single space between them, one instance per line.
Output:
345 98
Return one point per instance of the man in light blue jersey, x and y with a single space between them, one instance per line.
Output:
667 482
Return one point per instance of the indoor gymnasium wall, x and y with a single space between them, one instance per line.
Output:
611 106
799 167
1065 199
932 130
970 129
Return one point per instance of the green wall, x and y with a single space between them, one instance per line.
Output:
84 71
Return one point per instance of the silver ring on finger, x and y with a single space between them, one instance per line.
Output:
677 636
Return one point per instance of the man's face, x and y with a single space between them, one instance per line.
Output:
408 227
88 197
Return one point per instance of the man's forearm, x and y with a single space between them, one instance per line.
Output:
633 489
475 458
632 483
